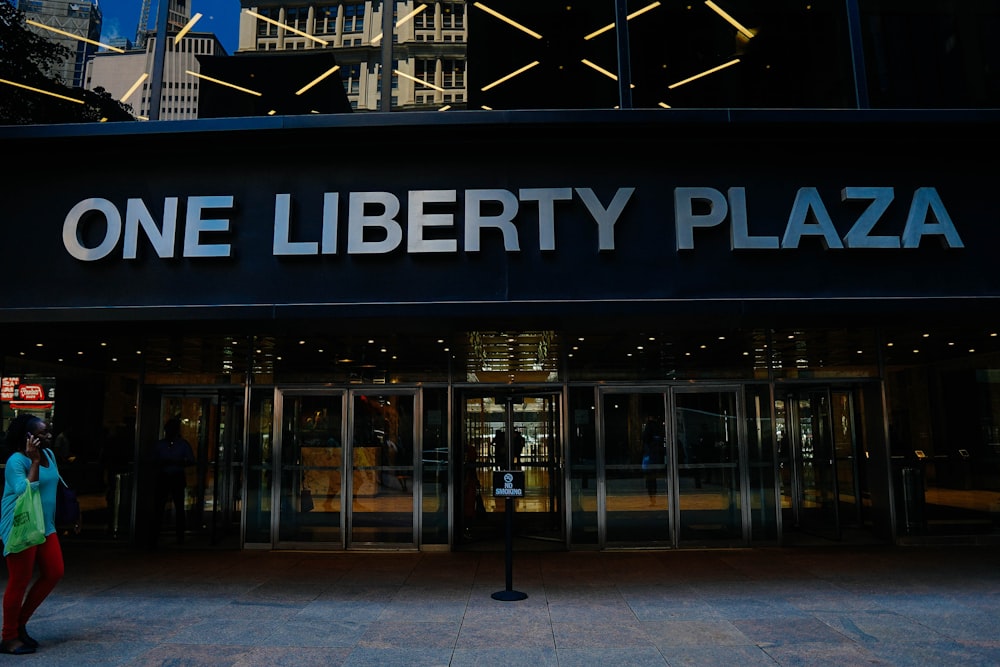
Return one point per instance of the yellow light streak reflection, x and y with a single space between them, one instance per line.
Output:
286 27
420 81
733 22
610 26
135 86
223 83
509 76
76 37
378 38
607 73
317 80
187 28
39 90
494 13
705 73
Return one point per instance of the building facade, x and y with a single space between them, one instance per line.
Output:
60 21
679 318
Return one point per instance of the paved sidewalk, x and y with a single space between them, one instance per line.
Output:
839 606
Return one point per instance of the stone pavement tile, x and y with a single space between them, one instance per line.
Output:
413 633
965 626
350 610
782 631
450 611
596 613
872 627
605 657
519 632
749 606
717 656
398 657
277 656
944 653
679 607
666 635
599 635
187 655
488 657
316 632
224 631
826 654
832 601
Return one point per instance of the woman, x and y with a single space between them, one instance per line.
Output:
28 464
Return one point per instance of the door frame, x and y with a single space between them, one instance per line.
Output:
556 470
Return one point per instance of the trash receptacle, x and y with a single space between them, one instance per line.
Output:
913 499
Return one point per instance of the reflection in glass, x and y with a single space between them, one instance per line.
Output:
637 495
383 465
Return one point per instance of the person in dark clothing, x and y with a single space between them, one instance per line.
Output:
653 454
171 457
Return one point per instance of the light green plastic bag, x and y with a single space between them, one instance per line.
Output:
28 529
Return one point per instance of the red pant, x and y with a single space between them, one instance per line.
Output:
17 608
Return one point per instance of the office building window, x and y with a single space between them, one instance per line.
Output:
265 29
452 15
424 19
454 73
354 18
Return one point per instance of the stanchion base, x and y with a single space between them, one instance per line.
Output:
509 596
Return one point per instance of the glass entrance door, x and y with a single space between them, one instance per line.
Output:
211 421
309 492
672 481
384 452
807 462
346 482
710 499
535 447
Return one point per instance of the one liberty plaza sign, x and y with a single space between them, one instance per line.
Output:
451 221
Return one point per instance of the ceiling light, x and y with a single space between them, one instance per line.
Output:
77 37
509 76
286 27
610 75
187 28
733 22
503 18
223 83
705 73
317 80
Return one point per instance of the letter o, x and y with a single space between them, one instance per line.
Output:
71 228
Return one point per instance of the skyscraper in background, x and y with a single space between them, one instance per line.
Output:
75 17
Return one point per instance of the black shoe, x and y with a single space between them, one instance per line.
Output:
22 649
26 639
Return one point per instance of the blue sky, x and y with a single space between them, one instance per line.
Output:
121 18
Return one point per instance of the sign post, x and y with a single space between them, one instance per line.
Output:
509 484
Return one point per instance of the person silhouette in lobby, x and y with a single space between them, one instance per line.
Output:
172 455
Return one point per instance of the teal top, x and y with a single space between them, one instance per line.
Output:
16 483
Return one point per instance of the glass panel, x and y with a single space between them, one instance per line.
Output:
751 53
636 494
583 465
710 504
538 451
760 463
929 54
819 482
540 54
434 462
382 504
311 468
260 439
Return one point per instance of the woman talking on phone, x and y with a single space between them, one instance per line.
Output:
27 436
